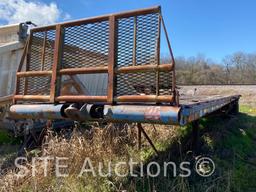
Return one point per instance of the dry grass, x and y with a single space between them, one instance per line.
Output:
113 143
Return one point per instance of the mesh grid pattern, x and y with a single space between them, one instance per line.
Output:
147 34
147 29
35 85
86 45
38 85
49 50
37 48
21 86
36 51
136 84
125 42
165 83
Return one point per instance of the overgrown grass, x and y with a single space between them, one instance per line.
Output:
242 142
229 141
232 144
4 138
8 138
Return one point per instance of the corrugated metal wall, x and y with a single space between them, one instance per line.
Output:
10 54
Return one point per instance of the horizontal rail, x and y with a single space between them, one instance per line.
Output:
130 69
81 98
127 98
155 9
90 70
144 98
41 29
145 68
34 73
99 18
32 97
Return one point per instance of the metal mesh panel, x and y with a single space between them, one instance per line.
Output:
86 45
137 41
145 36
125 42
35 85
20 90
165 83
38 85
36 53
49 50
136 84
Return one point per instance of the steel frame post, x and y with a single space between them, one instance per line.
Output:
175 92
28 55
55 81
158 53
112 59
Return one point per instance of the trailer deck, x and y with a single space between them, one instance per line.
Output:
196 107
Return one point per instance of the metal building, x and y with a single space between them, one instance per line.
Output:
11 48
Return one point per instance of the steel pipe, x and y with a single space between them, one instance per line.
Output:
144 98
155 9
32 97
77 71
93 112
145 68
40 111
81 98
142 114
33 73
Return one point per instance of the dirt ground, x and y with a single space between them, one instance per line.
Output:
248 92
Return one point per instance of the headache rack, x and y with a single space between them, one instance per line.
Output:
106 68
109 59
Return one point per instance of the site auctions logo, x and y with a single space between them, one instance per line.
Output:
204 167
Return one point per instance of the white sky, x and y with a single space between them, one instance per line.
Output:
16 11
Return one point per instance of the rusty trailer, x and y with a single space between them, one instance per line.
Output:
105 68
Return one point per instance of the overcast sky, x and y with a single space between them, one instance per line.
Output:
214 28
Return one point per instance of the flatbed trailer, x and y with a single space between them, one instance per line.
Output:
190 109
106 68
